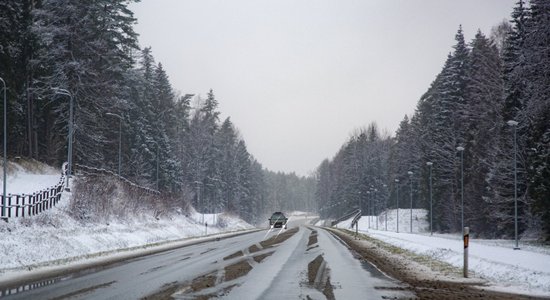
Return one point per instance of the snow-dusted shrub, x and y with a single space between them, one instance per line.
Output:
223 220
103 197
91 199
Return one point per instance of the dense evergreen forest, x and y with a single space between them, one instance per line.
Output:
55 50
483 85
90 49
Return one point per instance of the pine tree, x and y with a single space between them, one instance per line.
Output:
182 118
324 188
164 124
512 63
227 143
17 48
535 117
203 151
84 48
440 126
357 176
484 107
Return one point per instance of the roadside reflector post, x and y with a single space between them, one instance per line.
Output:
205 228
466 239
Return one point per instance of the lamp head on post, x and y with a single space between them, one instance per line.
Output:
514 124
119 140
5 163
59 91
461 150
397 180
429 164
114 115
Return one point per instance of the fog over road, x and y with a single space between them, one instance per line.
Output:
295 263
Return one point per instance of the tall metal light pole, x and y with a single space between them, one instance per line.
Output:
515 125
371 205
158 167
368 206
411 196
386 208
461 150
70 146
374 208
431 206
5 148
397 198
119 140
198 183
359 202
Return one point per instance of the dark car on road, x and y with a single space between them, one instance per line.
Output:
278 220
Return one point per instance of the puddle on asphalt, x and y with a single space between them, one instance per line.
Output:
12 290
374 271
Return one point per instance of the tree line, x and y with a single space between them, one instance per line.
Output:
168 141
483 89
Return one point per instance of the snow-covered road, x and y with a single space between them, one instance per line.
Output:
285 274
140 277
299 262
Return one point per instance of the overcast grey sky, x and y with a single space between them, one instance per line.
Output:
298 76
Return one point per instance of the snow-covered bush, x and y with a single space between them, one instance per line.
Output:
101 198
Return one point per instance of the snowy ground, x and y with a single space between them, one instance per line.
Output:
525 271
55 238
23 181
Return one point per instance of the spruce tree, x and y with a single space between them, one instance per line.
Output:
85 49
484 107
535 116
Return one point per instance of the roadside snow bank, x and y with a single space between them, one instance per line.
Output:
525 271
55 237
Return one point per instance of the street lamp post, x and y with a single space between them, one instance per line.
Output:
359 202
514 124
375 208
5 148
119 140
368 206
386 205
397 199
157 167
198 183
70 146
461 150
431 206
411 196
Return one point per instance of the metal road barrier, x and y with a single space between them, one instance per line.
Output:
346 216
356 219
